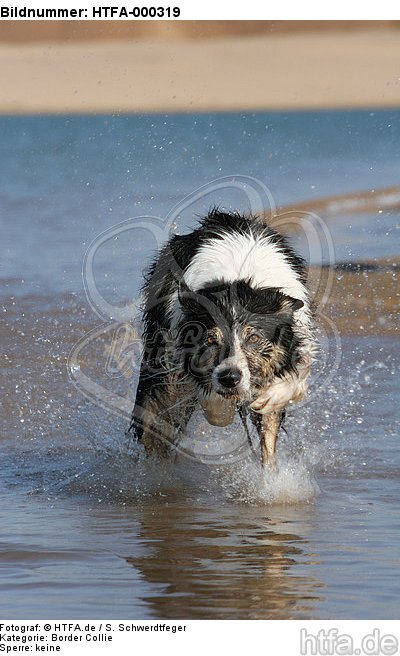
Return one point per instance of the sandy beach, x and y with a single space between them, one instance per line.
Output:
296 70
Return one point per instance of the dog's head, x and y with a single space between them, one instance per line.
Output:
234 337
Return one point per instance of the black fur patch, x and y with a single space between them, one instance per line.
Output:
233 309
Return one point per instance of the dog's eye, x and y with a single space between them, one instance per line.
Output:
253 339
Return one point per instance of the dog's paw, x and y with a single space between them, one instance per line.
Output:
274 398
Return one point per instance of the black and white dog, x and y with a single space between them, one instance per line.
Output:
227 327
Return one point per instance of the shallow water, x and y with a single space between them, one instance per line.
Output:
87 531
88 528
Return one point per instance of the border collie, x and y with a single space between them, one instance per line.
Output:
227 327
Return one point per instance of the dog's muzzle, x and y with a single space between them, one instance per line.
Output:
230 378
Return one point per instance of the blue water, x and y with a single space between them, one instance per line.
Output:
86 531
66 179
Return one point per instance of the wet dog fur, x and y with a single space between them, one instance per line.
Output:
227 327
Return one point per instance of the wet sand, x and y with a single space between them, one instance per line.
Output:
369 288
249 72
363 299
359 202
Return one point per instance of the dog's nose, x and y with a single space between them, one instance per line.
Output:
230 378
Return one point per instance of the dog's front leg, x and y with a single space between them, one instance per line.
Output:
269 434
157 432
268 430
160 415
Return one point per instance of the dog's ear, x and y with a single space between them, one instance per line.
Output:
269 300
290 304
187 298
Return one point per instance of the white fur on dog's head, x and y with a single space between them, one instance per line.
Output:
239 256
236 360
